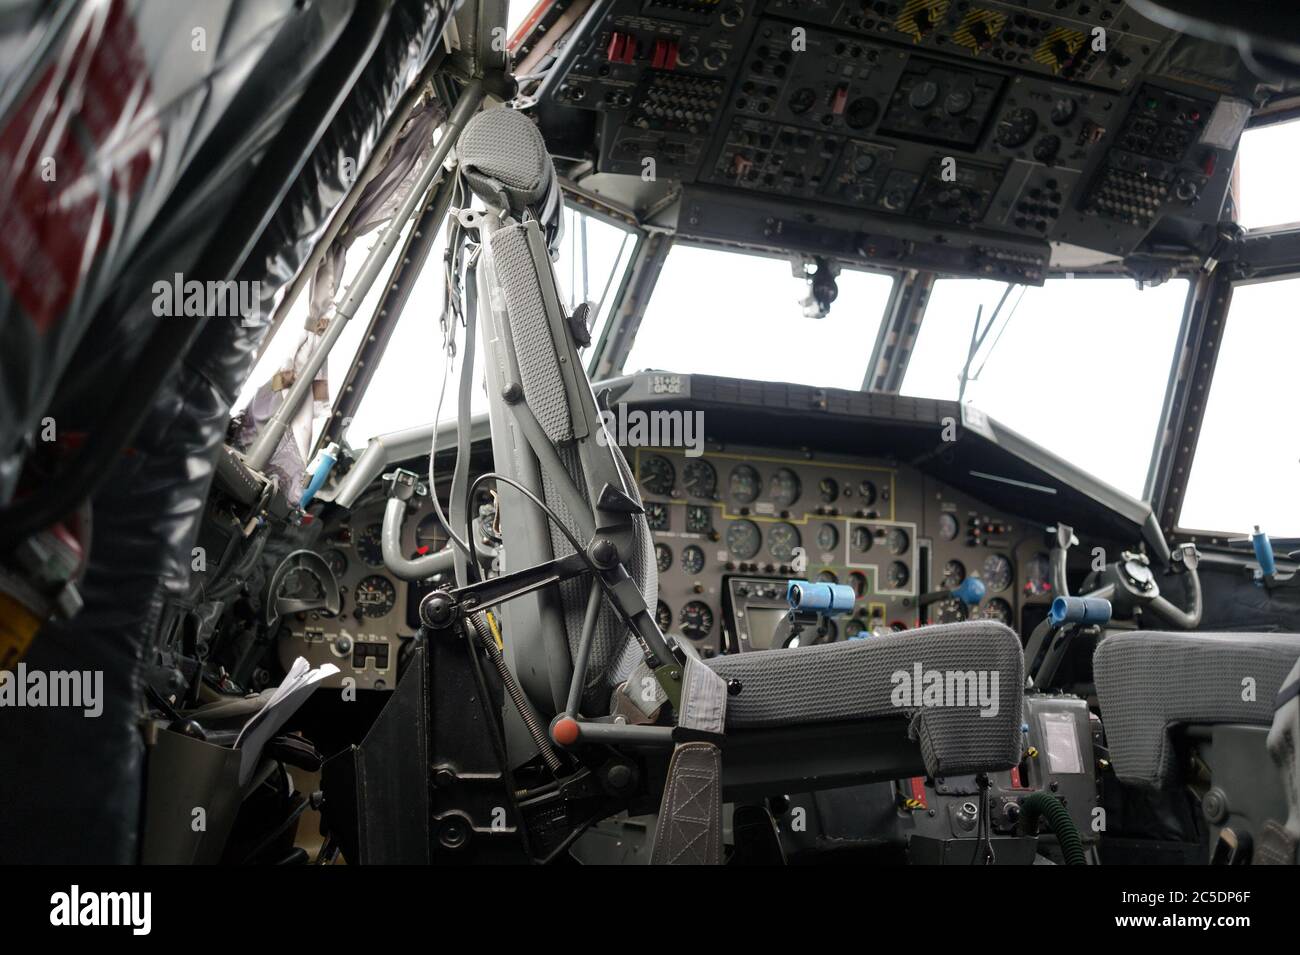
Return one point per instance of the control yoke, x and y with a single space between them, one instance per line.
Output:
1129 584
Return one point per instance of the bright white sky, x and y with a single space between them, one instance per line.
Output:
720 313
1247 468
1081 368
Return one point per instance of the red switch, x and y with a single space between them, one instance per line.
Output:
840 99
622 48
665 55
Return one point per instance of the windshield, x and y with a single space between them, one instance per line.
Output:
1247 465
740 316
1079 366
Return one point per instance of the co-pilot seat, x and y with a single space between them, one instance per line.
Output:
754 723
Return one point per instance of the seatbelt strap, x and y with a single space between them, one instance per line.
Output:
457 505
690 815
1279 843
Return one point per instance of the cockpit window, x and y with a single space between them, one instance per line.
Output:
1079 366
740 316
1265 183
1247 465
591 262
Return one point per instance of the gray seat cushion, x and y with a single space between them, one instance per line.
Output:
962 730
1149 681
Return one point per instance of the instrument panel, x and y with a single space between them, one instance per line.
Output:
378 610
732 525
1016 123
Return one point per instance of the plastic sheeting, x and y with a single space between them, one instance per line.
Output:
122 121
172 128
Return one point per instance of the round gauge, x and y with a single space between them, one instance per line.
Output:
337 562
1038 576
923 94
855 629
657 474
692 560
997 573
862 112
861 539
858 581
1045 149
744 539
663 557
802 100
828 535
783 487
375 596
699 519
827 577
997 609
949 527
867 491
744 484
700 479
696 620
1016 127
898 575
782 539
663 616
958 101
829 488
950 610
954 572
1063 110
369 545
430 534
656 515
898 541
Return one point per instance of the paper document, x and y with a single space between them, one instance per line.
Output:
292 692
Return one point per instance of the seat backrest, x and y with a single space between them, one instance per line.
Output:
550 437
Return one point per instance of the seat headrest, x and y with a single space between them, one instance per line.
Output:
504 159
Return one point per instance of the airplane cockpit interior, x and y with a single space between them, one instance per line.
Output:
731 432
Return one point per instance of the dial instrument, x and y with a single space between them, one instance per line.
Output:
855 629
696 620
744 484
1038 576
898 575
829 489
1016 127
375 596
337 561
744 539
950 610
699 520
700 479
861 539
656 515
827 577
657 474
949 527
369 545
828 535
867 491
898 541
858 581
692 560
954 572
663 557
997 573
997 609
784 487
782 539
663 616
